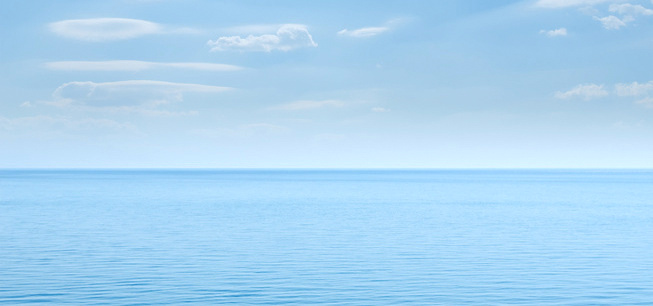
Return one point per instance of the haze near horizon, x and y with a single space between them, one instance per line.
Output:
326 84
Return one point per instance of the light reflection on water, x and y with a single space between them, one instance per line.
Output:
307 237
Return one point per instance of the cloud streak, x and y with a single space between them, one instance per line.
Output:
567 3
286 38
364 32
371 31
129 65
104 29
143 93
585 91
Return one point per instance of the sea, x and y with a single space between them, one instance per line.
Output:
338 237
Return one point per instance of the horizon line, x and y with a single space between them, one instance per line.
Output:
315 168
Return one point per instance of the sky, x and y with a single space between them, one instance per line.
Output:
326 84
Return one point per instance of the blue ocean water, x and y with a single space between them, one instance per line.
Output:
487 237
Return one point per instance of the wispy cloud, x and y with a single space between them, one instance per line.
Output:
371 31
622 13
585 91
633 89
286 38
630 9
628 13
146 94
640 91
567 3
309 104
612 22
129 65
554 33
104 29
364 32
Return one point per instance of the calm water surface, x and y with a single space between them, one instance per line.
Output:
326 237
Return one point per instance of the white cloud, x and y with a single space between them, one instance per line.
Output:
585 91
373 31
128 65
567 3
145 93
612 22
286 38
626 11
630 9
104 29
310 104
364 32
555 33
641 91
633 89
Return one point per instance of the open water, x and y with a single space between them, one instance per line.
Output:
487 237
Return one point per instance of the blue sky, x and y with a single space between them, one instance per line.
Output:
326 84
